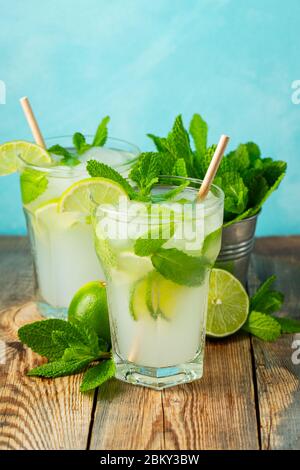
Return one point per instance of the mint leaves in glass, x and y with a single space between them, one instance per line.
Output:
157 251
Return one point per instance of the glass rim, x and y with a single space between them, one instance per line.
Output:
63 170
210 206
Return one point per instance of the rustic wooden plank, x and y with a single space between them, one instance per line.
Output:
16 285
128 417
37 413
34 413
278 378
218 411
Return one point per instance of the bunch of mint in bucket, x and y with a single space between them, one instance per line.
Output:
83 342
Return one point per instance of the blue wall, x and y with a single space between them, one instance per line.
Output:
142 62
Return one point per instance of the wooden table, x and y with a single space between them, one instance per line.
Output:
249 397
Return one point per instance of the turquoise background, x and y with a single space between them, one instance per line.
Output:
142 62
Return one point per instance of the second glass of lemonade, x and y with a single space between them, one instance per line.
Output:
62 243
157 258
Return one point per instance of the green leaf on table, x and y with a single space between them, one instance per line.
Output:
179 267
288 325
39 336
98 169
263 326
154 239
33 184
59 368
97 375
199 130
79 353
267 300
101 133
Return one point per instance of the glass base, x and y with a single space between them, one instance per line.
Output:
159 378
48 311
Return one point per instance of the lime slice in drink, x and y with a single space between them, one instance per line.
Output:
156 296
228 304
79 196
138 299
30 153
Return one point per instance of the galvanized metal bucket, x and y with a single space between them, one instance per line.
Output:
237 245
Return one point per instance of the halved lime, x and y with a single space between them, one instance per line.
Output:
78 197
228 304
30 153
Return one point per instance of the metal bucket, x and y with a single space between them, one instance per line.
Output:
237 245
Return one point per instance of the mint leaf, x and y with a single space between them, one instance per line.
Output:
98 169
253 152
272 170
39 336
240 158
199 130
33 184
211 245
201 165
59 368
179 267
159 142
263 326
169 194
78 354
288 325
101 133
179 168
265 300
69 159
80 143
97 375
181 143
153 240
236 193
146 171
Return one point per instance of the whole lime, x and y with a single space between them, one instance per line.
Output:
90 304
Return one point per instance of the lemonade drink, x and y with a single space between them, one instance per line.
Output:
62 243
157 290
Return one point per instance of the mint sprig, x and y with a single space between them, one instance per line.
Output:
246 178
69 347
261 322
